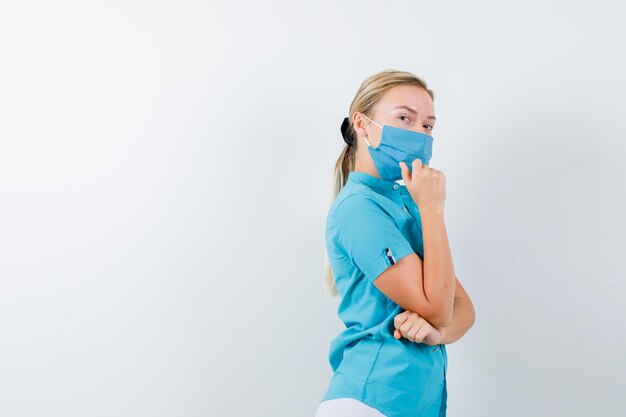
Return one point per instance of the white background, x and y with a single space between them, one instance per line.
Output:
165 173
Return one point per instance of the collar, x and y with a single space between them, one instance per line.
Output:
376 183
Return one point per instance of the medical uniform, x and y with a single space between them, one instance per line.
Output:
371 225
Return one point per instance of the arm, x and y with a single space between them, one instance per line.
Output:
439 278
463 316
428 287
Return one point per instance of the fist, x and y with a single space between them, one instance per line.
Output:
426 185
415 328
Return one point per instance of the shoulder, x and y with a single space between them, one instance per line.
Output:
360 207
355 199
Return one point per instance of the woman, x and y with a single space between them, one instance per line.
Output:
389 259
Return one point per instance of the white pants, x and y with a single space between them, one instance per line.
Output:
346 407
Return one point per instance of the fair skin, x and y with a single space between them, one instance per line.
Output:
437 307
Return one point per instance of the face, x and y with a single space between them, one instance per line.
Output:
404 106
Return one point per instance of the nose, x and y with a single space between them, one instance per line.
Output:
424 131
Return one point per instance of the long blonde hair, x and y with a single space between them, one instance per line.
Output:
364 101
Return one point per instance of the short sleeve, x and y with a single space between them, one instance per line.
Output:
368 235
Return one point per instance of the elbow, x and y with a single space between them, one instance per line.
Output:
442 317
437 315
441 321
473 315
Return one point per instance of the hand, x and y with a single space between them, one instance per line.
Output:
415 328
426 185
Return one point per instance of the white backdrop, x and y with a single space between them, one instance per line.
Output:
165 170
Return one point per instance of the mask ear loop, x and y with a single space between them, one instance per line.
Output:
367 141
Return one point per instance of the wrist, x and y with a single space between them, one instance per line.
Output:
431 214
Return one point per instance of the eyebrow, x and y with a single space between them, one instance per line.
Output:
414 112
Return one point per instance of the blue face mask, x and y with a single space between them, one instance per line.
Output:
399 145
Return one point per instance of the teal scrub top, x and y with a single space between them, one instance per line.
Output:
371 225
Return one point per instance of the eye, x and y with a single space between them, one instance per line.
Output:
404 116
431 127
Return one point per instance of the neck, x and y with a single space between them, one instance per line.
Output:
365 165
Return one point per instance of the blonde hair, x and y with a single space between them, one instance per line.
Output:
365 100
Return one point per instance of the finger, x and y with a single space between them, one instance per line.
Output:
399 319
404 170
406 327
414 314
421 334
397 334
416 165
403 314
415 329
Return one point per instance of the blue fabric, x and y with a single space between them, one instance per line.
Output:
400 378
396 145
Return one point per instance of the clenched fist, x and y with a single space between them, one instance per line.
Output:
426 185
415 328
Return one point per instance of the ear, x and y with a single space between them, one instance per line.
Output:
358 123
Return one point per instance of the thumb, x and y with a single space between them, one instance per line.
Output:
404 170
397 334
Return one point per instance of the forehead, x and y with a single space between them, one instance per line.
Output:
408 95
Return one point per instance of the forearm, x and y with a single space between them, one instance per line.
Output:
439 278
463 316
